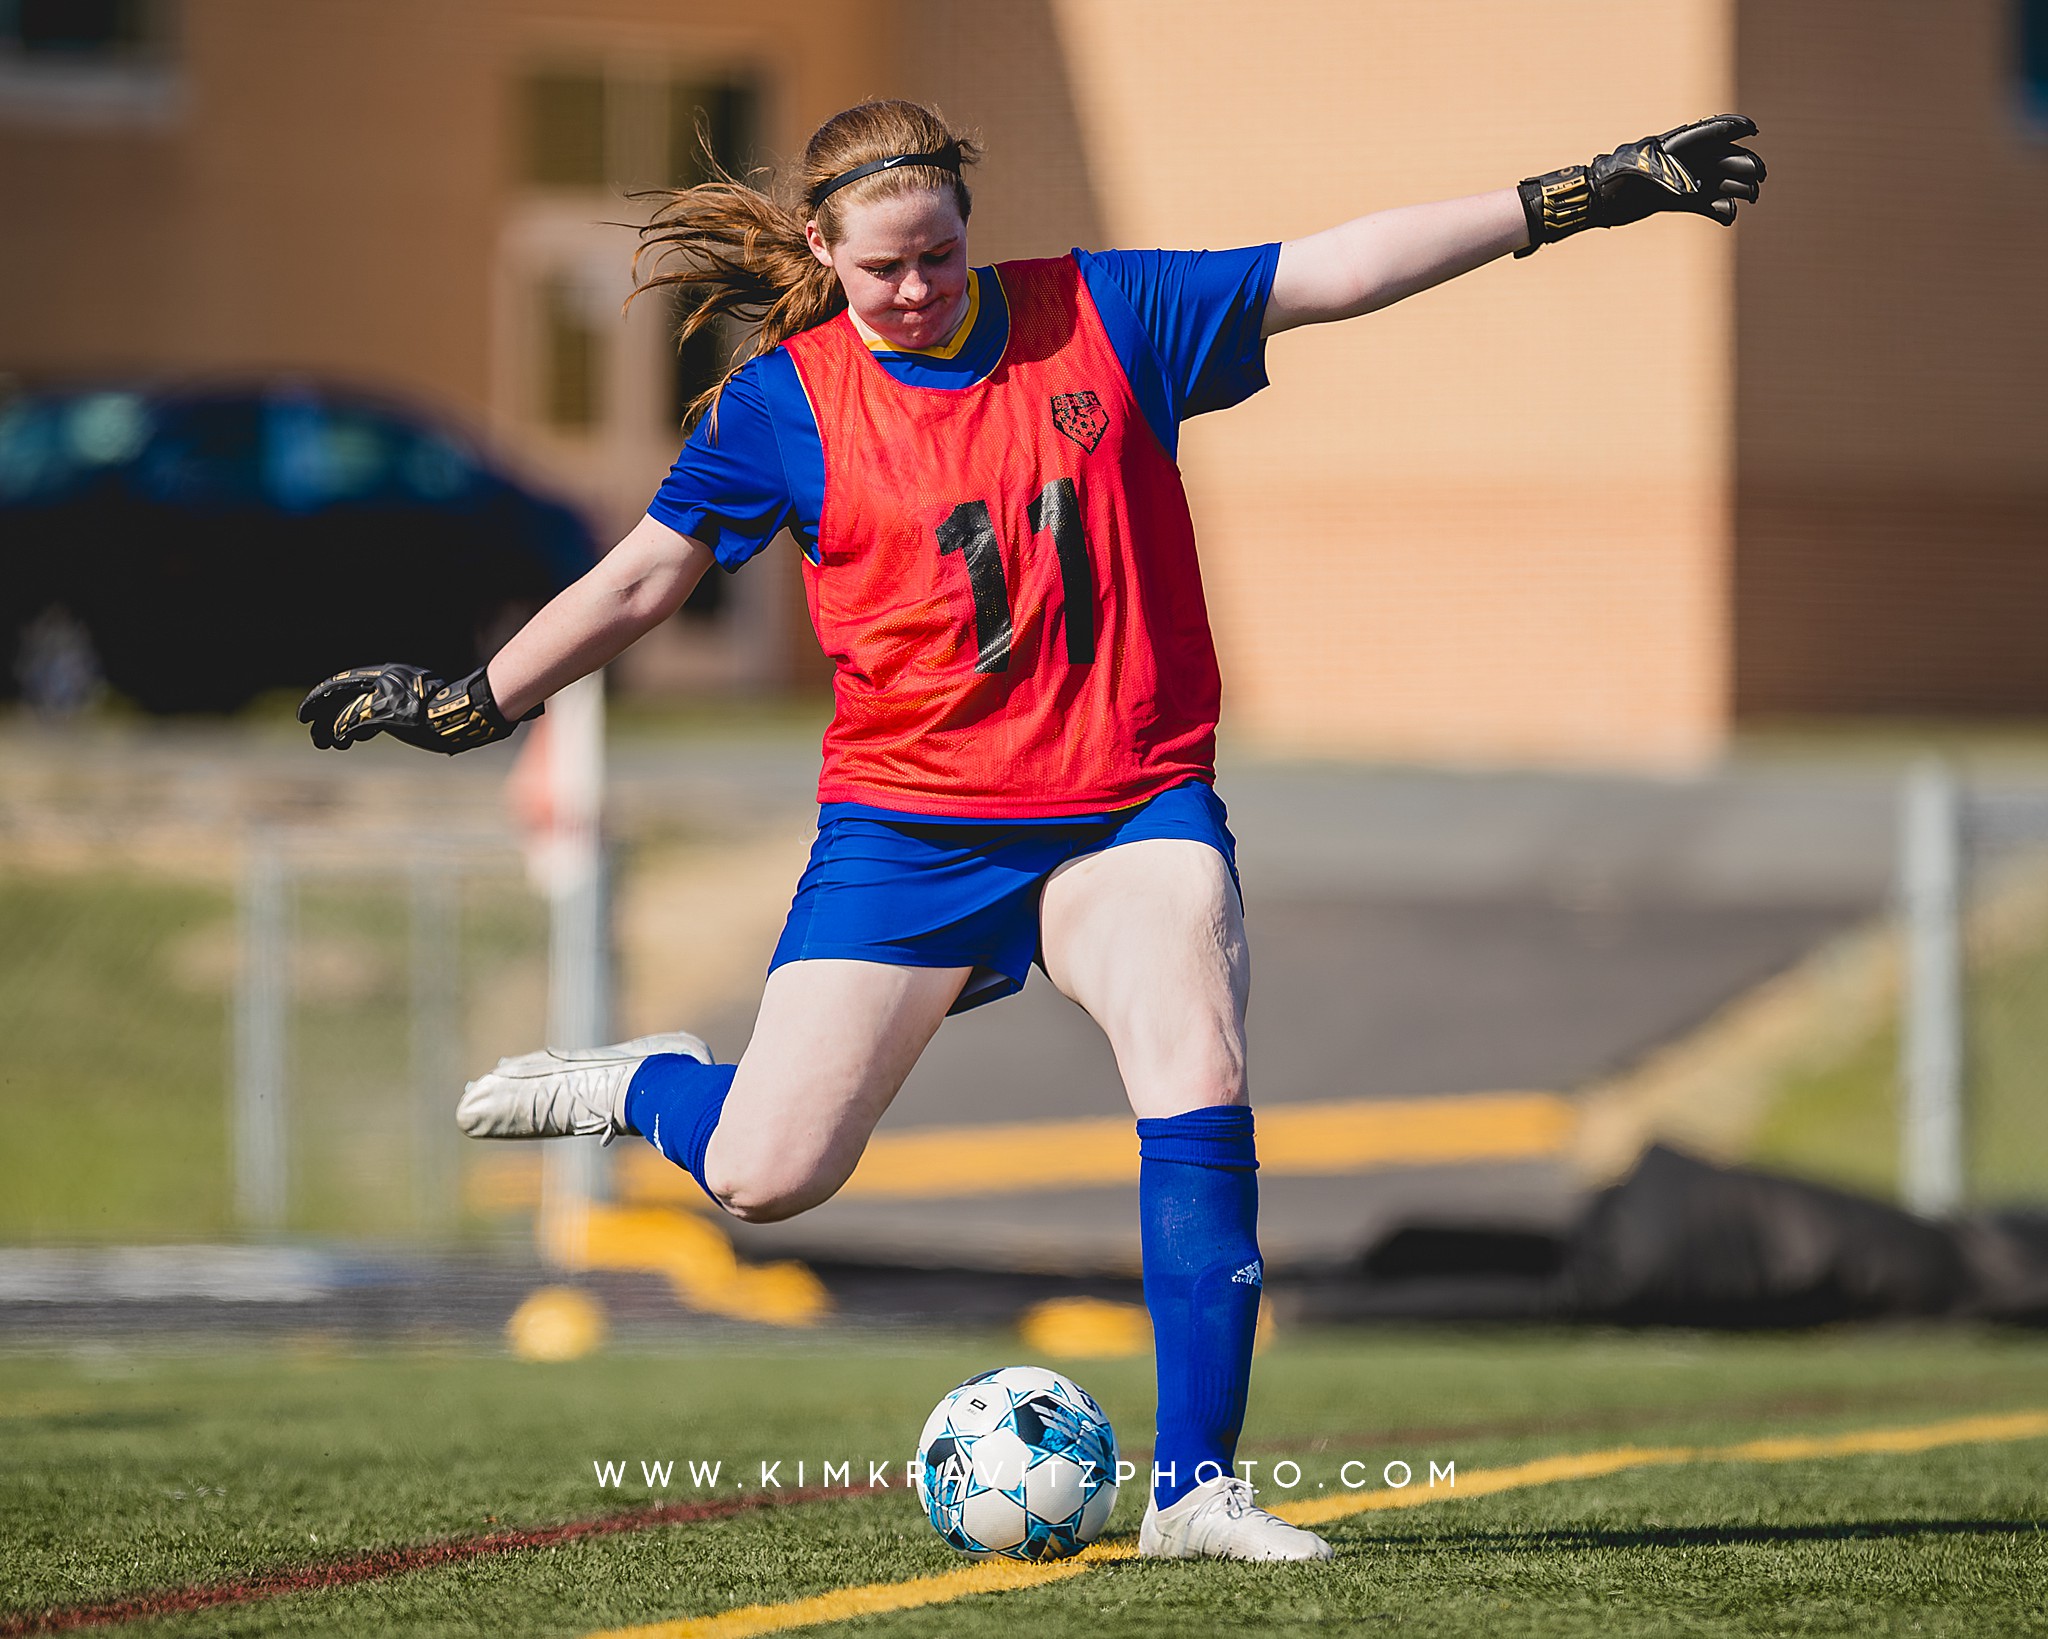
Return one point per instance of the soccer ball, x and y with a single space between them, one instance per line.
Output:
1017 1463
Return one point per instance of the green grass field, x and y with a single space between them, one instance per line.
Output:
1839 1121
115 1004
128 1473
115 1115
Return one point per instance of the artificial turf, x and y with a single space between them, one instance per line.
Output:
125 1472
112 1092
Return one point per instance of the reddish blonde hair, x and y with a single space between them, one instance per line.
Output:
730 250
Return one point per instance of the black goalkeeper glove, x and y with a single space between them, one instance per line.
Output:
408 703
1697 168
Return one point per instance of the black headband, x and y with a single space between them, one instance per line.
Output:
944 159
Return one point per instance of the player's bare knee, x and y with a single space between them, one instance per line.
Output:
751 1197
766 1192
751 1210
1195 1079
752 1207
1210 1092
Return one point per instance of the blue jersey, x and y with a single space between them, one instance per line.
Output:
1185 325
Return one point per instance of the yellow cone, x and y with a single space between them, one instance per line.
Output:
556 1323
1086 1329
699 1264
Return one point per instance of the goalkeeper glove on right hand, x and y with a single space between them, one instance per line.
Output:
1697 168
408 703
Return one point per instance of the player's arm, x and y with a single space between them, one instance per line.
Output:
1372 262
632 589
1376 260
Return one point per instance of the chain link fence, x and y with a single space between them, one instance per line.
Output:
375 975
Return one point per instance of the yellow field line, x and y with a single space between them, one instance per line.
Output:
2025 1425
1584 1465
2019 1425
1300 1140
997 1576
991 1576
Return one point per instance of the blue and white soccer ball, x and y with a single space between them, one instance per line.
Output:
1017 1463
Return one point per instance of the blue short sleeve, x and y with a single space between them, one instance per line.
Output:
729 488
1186 325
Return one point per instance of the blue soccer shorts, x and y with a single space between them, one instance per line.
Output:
920 893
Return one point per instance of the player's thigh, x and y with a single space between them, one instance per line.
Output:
1149 938
831 1046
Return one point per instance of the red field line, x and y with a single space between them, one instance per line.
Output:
370 1567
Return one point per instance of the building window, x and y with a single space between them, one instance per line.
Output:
2031 27
77 30
572 358
698 362
721 112
565 130
595 395
587 136
89 62
592 130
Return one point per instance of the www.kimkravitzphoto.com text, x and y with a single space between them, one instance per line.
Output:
895 1473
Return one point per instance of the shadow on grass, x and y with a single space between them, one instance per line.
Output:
1710 1536
77 1421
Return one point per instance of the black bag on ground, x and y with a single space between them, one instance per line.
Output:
1679 1242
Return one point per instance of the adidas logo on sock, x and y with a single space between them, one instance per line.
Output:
1252 1274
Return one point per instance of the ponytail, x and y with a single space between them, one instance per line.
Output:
730 250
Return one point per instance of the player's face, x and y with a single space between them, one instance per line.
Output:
903 264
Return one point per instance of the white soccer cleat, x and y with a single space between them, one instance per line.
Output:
1219 1520
564 1092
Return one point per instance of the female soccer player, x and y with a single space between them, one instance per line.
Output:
978 464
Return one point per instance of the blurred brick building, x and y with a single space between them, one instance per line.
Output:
1596 506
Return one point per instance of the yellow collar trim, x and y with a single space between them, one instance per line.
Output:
947 349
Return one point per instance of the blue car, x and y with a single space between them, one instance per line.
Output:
209 543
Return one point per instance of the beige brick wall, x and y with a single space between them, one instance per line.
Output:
1484 524
1000 67
1892 375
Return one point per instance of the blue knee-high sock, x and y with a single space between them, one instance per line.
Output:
1198 1206
675 1101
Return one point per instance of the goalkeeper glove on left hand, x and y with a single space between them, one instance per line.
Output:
1697 168
408 703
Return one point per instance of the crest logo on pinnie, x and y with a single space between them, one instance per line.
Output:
1081 417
